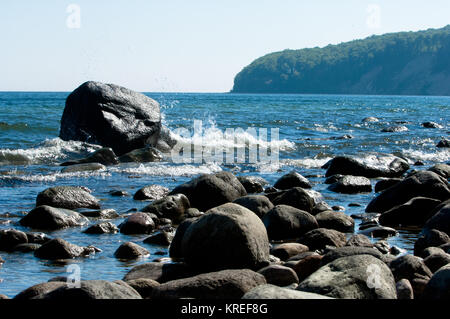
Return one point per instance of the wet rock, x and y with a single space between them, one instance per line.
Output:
60 249
404 290
162 238
415 212
432 251
438 286
431 125
436 261
288 250
442 170
27 248
160 272
38 290
258 204
226 284
307 266
279 275
37 238
338 208
291 180
336 220
142 155
359 240
67 197
172 207
409 267
351 185
130 250
152 192
273 292
430 238
253 184
49 218
103 156
138 223
286 222
386 183
347 278
229 236
382 246
440 220
370 119
118 193
89 167
10 238
101 214
340 252
112 116
395 129
320 238
379 231
175 249
295 197
444 143
421 184
144 286
320 207
102 228
209 191
333 179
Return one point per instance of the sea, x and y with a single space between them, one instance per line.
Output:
312 129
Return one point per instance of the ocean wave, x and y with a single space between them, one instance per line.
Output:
442 155
165 169
12 180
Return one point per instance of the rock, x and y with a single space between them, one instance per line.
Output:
37 238
175 249
118 193
333 179
193 213
137 223
229 236
440 220
438 286
359 240
291 180
27 248
320 207
39 289
103 156
307 266
144 286
111 116
430 238
349 278
279 275
152 192
273 292
336 220
432 251
295 197
383 247
101 214
172 207
226 284
395 129
253 184
436 261
445 248
93 290
159 272
102 228
351 185
409 267
370 119
444 143
415 212
386 183
67 197
421 184
60 249
209 191
288 250
89 167
49 218
130 250
286 222
10 238
404 290
431 125
166 140
442 170
258 204
340 252
320 238
162 238
142 155
349 166
338 208
380 232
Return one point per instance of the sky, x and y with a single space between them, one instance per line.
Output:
180 45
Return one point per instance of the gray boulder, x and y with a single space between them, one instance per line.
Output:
38 290
320 238
60 249
439 285
101 214
102 228
295 197
258 204
49 218
253 184
10 238
351 185
288 250
430 238
138 223
274 292
152 192
130 250
440 220
386 183
291 180
160 272
172 207
336 220
142 155
442 170
103 156
346 251
279 275
88 167
409 267
68 197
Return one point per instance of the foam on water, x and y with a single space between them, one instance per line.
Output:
167 169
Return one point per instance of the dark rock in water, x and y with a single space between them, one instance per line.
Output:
416 212
440 220
274 292
419 163
226 284
337 208
347 278
307 266
111 116
349 166
404 290
130 250
333 179
295 197
160 272
343 137
258 204
340 252
436 261
142 155
102 228
118 193
101 214
138 223
395 129
351 185
386 183
144 286
288 250
162 238
438 286
10 238
37 238
60 249
49 218
320 207
27 248
421 184
443 143
89 167
336 220
104 156
67 197
359 240
409 267
279 275
172 207
320 238
287 222
152 192
226 237
379 231
209 191
431 125
175 249
93 290
39 289
291 180
430 238
253 184
442 170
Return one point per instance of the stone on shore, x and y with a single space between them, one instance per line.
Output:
336 220
102 228
307 266
287 250
442 170
89 167
253 184
39 289
137 223
320 238
68 197
50 218
346 251
172 207
440 220
160 272
295 197
259 204
163 238
439 285
152 192
351 185
279 275
291 180
144 286
430 238
274 292
404 290
359 240
386 183
101 214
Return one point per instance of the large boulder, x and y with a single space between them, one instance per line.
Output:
130 250
439 285
346 251
274 292
209 191
152 192
320 238
409 267
351 278
287 250
172 207
39 289
421 184
287 222
49 218
259 204
351 185
291 180
67 197
175 249
296 197
159 272
279 275
442 170
60 249
349 166
10 238
430 238
138 223
440 220
336 220
112 116
226 237
226 284
435 261
102 228
253 184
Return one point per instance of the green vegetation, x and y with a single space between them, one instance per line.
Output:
413 63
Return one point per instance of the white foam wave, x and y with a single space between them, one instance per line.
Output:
52 177
161 169
442 155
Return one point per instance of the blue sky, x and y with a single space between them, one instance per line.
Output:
181 46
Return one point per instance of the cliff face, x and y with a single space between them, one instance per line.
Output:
405 63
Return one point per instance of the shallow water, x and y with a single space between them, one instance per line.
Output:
308 125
